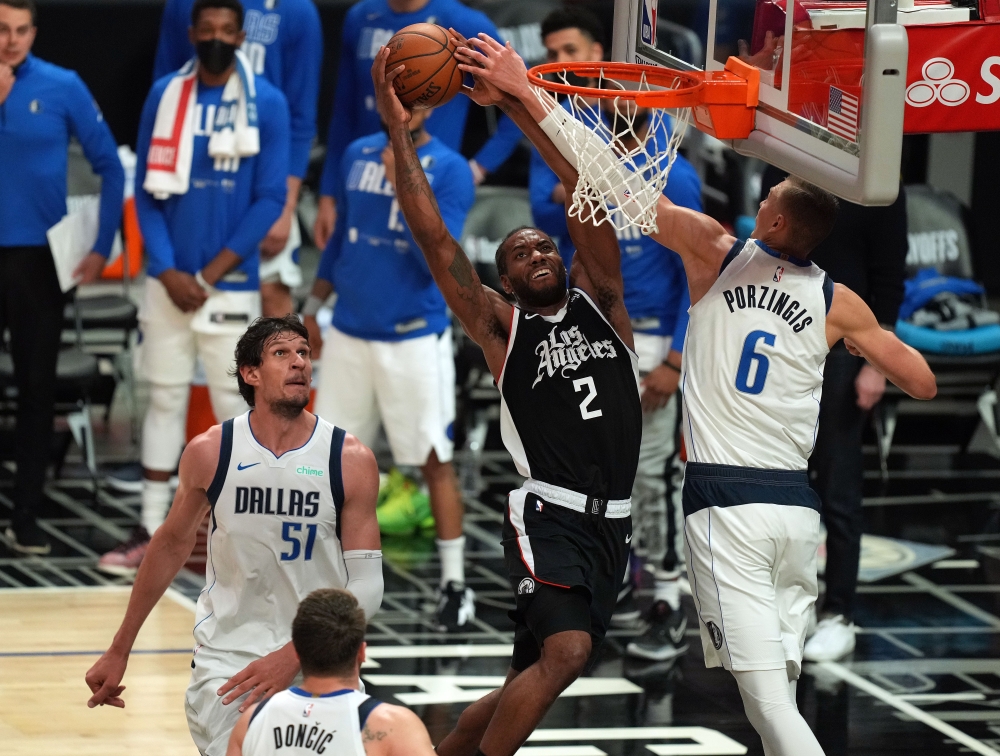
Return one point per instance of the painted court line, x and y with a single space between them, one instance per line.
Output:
907 708
14 654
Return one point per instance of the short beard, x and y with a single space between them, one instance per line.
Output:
288 408
534 298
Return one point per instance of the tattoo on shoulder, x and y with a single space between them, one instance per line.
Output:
607 299
370 736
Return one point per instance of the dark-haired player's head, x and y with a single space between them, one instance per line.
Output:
795 217
328 633
572 33
17 30
216 32
530 268
273 367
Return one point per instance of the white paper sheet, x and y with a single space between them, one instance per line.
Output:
73 238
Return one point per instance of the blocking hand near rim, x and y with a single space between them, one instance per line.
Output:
563 362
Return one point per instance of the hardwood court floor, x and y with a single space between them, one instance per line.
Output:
49 638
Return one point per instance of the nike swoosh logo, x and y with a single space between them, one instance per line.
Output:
629 539
677 635
241 466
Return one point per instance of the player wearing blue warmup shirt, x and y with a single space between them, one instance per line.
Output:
389 352
656 297
202 238
284 43
41 107
367 26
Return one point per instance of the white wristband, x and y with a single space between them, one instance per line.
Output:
203 283
312 306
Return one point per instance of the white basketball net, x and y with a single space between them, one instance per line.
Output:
621 174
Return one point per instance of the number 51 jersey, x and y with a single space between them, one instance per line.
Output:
569 410
753 361
274 537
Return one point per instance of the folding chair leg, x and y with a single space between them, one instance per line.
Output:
472 461
884 418
83 434
988 410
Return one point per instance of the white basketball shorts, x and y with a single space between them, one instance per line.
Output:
409 385
209 720
752 569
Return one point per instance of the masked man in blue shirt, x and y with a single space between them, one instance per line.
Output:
213 159
41 107
388 355
284 43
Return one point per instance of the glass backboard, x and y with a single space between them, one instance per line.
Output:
832 89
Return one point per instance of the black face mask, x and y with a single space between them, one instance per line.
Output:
215 55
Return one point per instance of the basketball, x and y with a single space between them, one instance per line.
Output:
431 77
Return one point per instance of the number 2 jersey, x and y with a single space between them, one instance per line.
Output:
569 411
753 362
274 537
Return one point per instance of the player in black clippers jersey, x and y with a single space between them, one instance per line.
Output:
563 361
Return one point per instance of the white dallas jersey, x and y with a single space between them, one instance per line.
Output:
295 722
274 537
753 361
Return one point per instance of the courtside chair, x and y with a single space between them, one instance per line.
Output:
966 382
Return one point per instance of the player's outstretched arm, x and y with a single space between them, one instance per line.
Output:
851 319
395 731
169 549
484 314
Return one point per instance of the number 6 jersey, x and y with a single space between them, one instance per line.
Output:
273 538
569 412
753 361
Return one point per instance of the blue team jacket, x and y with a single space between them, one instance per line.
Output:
222 208
46 107
285 45
385 291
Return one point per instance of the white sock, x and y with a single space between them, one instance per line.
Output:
667 588
156 496
452 553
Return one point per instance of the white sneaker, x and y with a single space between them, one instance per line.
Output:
834 638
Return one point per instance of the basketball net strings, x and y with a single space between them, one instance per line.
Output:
621 176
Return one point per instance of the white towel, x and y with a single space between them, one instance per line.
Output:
235 134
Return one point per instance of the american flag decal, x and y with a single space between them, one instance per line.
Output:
842 114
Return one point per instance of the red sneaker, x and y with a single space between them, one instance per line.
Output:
124 559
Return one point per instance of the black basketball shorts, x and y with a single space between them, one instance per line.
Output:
566 569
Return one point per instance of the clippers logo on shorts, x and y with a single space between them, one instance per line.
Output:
564 351
716 634
526 586
596 506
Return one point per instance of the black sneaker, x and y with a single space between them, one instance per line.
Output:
27 538
626 608
456 608
665 637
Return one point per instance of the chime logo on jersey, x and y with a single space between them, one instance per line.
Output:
565 351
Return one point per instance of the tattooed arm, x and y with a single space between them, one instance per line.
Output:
395 731
484 314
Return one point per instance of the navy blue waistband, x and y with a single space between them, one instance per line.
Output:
707 485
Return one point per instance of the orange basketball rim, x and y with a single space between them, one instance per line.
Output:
723 102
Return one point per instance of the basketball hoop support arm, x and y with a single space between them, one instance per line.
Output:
881 142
